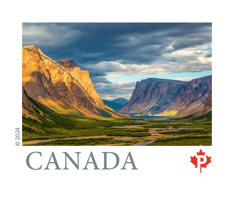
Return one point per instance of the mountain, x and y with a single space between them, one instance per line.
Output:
61 86
207 107
121 101
29 109
208 104
169 97
115 104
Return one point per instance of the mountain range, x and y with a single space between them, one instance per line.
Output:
61 86
116 104
164 97
66 89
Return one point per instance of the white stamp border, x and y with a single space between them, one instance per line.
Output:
171 175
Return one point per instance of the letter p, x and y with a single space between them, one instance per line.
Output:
201 160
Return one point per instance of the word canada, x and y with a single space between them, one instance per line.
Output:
91 162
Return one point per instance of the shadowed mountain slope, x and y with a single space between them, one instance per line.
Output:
116 104
169 97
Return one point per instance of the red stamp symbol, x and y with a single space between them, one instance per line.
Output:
200 161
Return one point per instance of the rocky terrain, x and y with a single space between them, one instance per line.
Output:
60 85
83 77
170 97
208 105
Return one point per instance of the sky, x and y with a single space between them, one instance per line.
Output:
117 55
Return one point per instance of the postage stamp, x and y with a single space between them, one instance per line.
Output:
114 99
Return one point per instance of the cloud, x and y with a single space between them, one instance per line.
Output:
209 55
131 43
108 97
149 46
184 79
49 34
125 49
187 60
115 90
99 79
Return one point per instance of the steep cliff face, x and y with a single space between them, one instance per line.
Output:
60 85
208 104
168 97
151 96
83 77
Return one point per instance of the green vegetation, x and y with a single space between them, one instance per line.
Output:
104 113
205 117
130 134
84 142
56 125
157 126
184 141
188 132
194 125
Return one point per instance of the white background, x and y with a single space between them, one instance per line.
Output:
162 171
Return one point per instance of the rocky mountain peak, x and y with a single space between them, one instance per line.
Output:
168 97
67 63
60 85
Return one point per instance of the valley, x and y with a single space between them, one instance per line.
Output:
73 130
62 108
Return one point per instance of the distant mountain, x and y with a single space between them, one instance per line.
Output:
121 101
116 104
61 86
170 97
113 105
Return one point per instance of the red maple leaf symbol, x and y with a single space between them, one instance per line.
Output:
194 160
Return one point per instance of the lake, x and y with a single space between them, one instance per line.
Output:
154 116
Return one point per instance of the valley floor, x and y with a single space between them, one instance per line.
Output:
71 130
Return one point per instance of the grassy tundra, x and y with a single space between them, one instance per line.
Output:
56 129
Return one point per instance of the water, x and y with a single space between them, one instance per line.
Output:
143 143
161 117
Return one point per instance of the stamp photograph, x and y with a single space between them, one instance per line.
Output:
117 84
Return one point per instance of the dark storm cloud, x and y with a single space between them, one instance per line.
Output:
131 43
209 55
99 79
124 49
